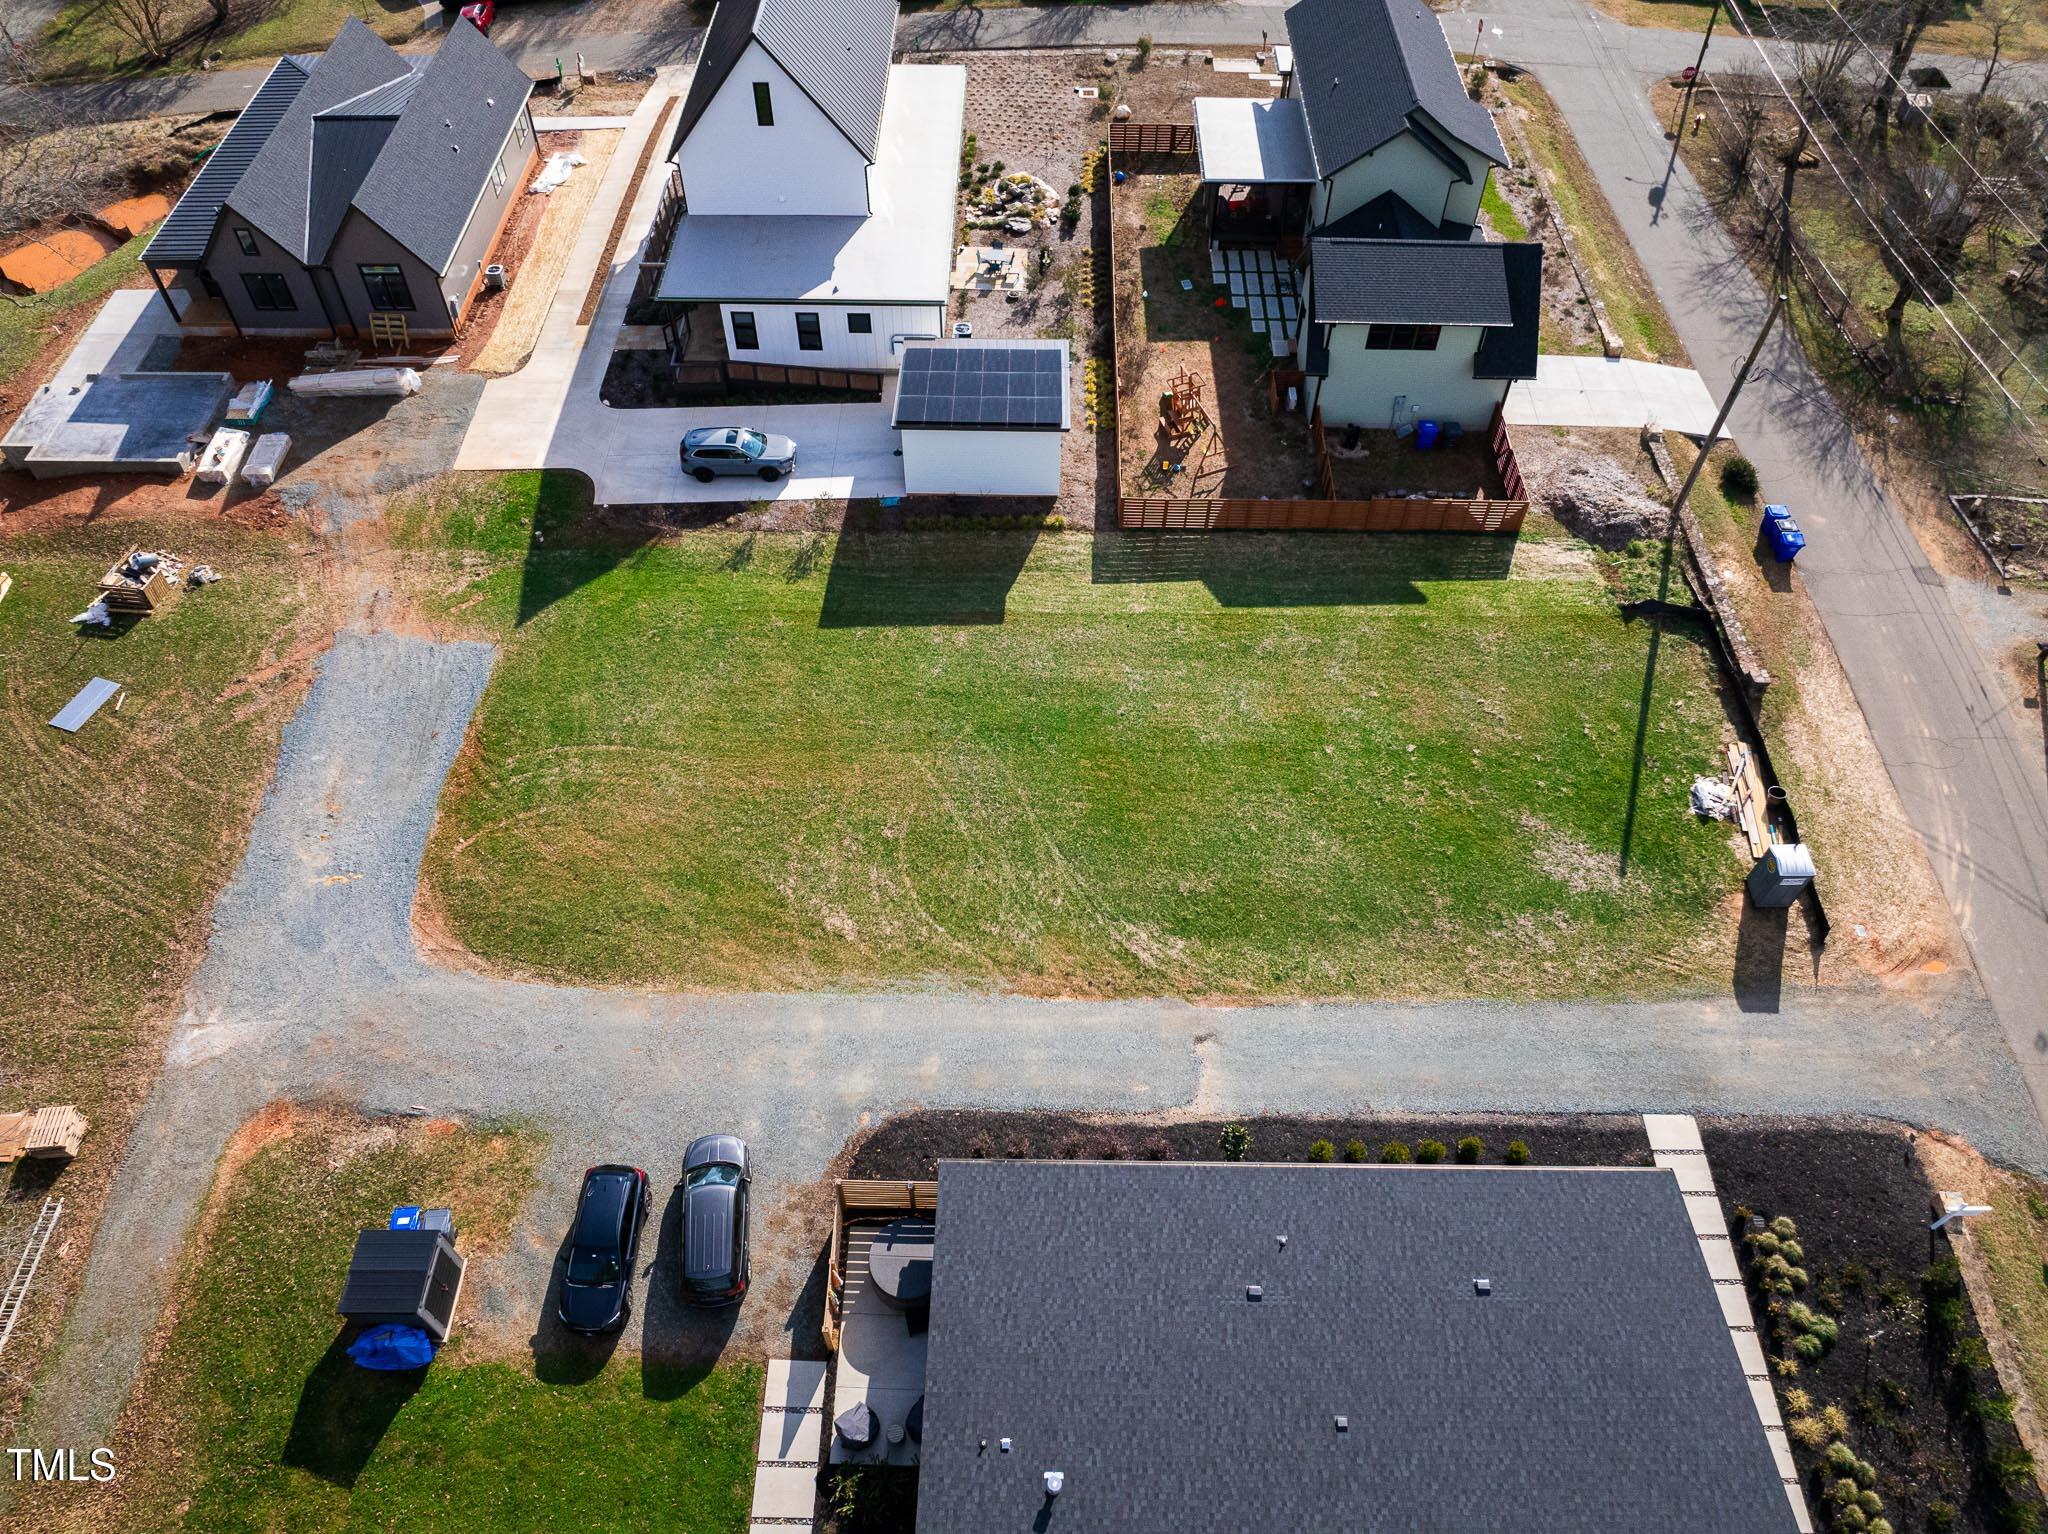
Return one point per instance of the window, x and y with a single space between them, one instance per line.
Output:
498 174
1401 338
809 337
519 129
386 287
764 105
745 338
860 324
247 241
269 292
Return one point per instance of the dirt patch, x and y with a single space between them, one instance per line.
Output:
1584 480
608 97
1366 464
514 252
525 302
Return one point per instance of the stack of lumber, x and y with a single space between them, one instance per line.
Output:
128 589
44 1132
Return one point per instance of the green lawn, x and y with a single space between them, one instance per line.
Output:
254 1418
119 835
1254 765
25 321
1500 215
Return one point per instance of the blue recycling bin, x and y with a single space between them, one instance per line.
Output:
406 1217
1426 433
1773 512
1785 538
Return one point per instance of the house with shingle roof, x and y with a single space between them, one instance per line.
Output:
1366 175
819 184
357 181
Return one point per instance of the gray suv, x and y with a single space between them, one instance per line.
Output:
710 451
717 1176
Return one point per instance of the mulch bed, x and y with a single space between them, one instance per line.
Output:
1860 1201
911 1145
643 380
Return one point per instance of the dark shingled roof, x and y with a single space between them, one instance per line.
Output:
184 236
1409 282
1363 67
276 192
1096 1315
837 51
426 181
1511 352
1390 217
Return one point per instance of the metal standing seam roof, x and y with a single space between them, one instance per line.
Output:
1362 67
1098 1319
983 386
1409 282
185 234
837 52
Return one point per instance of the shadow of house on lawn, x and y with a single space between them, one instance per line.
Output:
923 579
344 1412
1321 569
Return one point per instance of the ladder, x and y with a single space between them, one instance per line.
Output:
25 1270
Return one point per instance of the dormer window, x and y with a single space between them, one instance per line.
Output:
247 241
764 105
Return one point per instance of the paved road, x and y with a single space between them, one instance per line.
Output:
1535 32
312 986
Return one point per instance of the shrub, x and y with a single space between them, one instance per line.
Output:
981 1147
1017 1147
1429 1152
1871 1503
1836 1419
1842 1492
1783 1228
1809 1431
1808 1347
1395 1152
1991 1408
1798 1401
1766 1243
1823 1330
1470 1149
1109 1148
1235 1142
1865 1475
2036 1205
1940 1516
1840 1458
1786 1367
1354 1150
1792 1252
1156 1148
1795 1277
1799 1315
1321 1150
2012 1464
1738 479
1944 1276
1969 1355
1850 1517
1517 1153
1879 1526
1144 47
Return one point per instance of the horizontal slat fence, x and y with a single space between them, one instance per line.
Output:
1376 516
1151 138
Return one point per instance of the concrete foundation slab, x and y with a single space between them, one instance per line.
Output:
124 423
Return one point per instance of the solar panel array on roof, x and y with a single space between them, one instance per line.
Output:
184 236
983 388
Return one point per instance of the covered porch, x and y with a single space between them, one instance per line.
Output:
1258 172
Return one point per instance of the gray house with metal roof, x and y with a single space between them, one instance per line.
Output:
1123 1348
356 182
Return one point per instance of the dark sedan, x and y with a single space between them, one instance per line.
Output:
717 1174
604 1243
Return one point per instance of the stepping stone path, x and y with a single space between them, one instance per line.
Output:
791 1443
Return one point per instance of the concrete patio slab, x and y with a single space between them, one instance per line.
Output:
795 1384
1673 1132
784 1492
790 1437
1614 392
1691 1171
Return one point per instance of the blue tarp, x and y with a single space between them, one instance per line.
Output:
392 1347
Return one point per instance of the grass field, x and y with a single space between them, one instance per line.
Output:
1964 29
86 39
253 1417
1235 766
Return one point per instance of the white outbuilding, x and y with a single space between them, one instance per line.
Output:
983 417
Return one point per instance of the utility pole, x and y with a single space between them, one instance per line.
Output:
1699 65
1713 436
1785 206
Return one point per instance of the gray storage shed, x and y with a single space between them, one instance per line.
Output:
403 1278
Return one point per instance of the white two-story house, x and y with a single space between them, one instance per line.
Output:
1368 173
819 182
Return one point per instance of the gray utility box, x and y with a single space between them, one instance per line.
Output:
403 1278
1781 875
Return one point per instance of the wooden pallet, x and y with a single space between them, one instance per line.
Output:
1751 803
55 1132
126 593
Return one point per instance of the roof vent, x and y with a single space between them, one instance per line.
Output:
1281 1239
1482 1286
1003 1444
1343 1424
1254 1293
1054 1480
490 101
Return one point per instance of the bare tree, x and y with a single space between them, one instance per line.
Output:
1901 24
1823 71
2003 18
1738 136
146 23
1927 219
52 168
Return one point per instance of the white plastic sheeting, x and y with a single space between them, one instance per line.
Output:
360 381
223 456
556 171
265 459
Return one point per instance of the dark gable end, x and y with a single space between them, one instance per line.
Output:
184 236
836 51
1367 70
433 167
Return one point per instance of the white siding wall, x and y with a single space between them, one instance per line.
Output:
776 324
981 462
803 164
1403 165
1438 385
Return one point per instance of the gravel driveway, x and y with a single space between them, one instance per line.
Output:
313 985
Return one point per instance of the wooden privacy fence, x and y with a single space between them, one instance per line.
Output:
713 376
856 1198
1376 516
1151 138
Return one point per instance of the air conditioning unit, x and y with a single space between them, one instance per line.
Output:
494 277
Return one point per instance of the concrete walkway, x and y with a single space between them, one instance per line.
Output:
1612 391
313 987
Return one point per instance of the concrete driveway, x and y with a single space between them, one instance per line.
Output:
1611 391
841 451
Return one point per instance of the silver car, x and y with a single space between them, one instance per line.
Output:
718 1174
710 451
